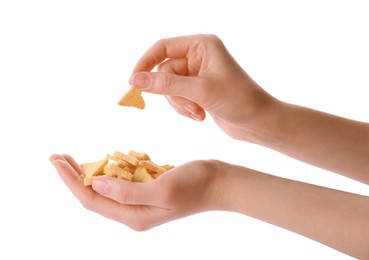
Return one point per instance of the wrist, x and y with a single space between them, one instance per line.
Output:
227 187
219 187
261 127
232 191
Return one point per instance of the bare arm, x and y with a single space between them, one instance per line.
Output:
338 144
197 74
335 218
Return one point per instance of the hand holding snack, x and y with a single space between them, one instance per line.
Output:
197 74
184 190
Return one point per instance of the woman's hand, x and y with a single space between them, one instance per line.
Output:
197 74
185 190
200 186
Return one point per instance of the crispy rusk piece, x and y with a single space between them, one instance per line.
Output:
92 169
130 168
113 170
141 175
132 98
88 181
133 166
139 156
155 175
150 165
128 158
119 161
108 170
167 167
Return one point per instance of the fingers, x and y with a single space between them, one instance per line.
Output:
72 179
174 66
73 163
171 48
187 108
181 65
67 158
195 89
137 217
55 157
126 192
190 95
88 198
183 106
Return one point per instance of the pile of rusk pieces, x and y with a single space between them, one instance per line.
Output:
134 166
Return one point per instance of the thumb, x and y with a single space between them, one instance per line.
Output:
190 87
125 192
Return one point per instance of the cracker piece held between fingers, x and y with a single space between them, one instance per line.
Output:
132 98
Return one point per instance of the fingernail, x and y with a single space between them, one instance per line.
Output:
196 117
100 186
193 112
190 108
141 80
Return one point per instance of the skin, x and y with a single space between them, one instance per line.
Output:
197 74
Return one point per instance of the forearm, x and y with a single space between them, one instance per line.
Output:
324 140
335 218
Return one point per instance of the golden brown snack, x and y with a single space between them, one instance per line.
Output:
150 165
127 158
142 175
132 98
90 170
120 162
140 156
113 170
133 166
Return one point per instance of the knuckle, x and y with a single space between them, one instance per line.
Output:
164 83
210 39
160 42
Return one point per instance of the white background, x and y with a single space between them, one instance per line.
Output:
64 65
